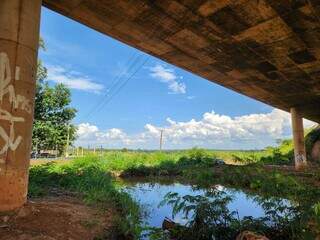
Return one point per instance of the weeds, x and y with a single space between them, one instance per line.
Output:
209 218
172 164
88 178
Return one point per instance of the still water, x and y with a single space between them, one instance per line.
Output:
150 195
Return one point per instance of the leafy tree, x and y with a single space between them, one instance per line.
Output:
53 114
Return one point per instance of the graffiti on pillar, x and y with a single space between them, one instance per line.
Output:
16 101
300 158
10 141
6 88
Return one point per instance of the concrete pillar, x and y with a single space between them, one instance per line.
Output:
19 37
298 139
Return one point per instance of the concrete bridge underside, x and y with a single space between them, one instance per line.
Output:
266 49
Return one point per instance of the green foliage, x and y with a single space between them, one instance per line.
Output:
158 163
88 178
269 183
172 163
281 155
199 157
311 138
208 217
316 208
52 117
246 159
124 159
53 113
42 72
277 157
284 154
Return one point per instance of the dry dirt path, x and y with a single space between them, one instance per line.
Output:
56 218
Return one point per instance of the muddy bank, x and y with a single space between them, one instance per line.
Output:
56 218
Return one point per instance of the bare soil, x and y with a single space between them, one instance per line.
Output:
56 218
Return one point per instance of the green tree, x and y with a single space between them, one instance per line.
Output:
53 114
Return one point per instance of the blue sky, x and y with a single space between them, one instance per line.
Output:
149 96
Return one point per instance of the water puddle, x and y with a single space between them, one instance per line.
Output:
151 194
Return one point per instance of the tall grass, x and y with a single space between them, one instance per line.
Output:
119 160
88 178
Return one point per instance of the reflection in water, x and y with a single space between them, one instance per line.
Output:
220 213
216 213
150 195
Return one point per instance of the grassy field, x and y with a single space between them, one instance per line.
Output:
93 178
121 160
173 163
89 179
141 163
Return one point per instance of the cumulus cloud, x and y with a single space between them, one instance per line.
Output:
191 97
73 79
168 76
91 135
253 131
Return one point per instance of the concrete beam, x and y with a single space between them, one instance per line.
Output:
19 38
243 45
298 140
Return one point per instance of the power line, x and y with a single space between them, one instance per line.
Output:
123 84
116 88
120 83
100 105
118 78
114 83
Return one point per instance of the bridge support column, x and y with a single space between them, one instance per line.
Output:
298 140
19 38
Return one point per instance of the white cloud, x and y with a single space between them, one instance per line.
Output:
253 131
168 76
73 79
91 135
87 131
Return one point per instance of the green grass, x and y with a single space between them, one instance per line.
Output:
88 178
157 163
91 178
117 160
267 188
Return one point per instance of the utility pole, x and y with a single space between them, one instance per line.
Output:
36 155
161 139
68 138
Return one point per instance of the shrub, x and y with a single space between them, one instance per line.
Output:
88 178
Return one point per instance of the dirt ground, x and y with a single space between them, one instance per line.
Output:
55 218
